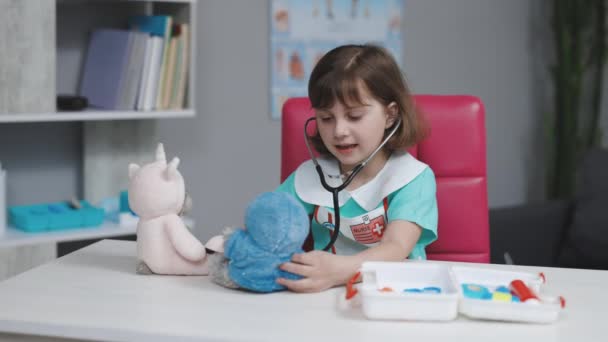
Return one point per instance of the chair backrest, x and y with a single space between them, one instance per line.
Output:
455 150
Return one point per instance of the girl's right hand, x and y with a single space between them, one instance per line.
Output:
319 270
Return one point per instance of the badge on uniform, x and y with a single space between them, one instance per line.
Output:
370 231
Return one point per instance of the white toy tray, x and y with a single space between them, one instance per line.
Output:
401 291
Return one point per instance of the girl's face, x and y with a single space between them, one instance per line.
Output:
351 134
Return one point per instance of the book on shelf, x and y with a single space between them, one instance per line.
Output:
142 68
169 77
158 27
164 80
165 64
170 71
133 72
182 59
177 61
107 60
145 73
152 82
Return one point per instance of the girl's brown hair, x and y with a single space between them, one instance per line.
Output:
339 75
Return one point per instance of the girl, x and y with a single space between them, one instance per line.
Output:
389 211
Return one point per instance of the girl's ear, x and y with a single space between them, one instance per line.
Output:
392 112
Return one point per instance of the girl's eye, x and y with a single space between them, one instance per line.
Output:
355 116
326 119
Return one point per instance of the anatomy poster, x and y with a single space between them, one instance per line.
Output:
303 30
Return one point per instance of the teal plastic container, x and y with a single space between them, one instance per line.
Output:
54 216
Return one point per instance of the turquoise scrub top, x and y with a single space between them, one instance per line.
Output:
414 202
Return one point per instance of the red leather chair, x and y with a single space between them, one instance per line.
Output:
455 150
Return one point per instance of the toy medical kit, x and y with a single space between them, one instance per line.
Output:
523 292
428 289
476 291
439 292
501 296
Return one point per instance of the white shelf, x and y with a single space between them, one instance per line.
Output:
14 237
91 115
169 1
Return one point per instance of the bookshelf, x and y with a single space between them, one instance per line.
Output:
73 20
77 18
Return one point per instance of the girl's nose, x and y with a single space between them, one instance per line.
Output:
341 128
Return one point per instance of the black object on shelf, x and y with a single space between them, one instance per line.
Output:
71 102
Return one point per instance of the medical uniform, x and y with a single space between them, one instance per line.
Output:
403 190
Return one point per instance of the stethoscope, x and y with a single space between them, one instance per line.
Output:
336 190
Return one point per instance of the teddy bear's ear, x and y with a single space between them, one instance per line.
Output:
132 169
160 153
172 168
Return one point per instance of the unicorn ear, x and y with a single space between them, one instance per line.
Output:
132 169
171 170
160 153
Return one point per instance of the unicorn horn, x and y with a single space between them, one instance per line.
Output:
171 170
160 153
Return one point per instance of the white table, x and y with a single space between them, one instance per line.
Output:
94 293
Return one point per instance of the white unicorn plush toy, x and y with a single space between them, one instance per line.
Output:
157 194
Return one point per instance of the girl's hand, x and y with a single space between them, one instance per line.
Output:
320 271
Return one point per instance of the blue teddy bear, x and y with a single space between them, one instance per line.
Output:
276 225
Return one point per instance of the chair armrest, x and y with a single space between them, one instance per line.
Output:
532 234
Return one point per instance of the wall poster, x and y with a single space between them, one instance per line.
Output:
303 30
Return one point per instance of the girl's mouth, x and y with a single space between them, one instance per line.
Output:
346 149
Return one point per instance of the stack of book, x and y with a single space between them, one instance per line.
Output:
143 68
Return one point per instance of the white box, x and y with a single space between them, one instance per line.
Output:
383 297
545 312
396 304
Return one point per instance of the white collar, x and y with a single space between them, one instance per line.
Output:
400 169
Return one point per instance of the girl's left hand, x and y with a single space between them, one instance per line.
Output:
320 271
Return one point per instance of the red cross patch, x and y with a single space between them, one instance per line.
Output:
370 231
